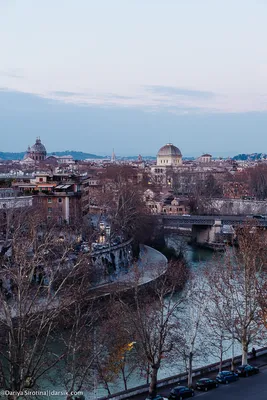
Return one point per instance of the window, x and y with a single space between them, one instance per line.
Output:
49 200
49 209
60 200
40 179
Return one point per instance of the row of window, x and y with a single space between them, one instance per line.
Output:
173 209
50 209
6 194
170 208
167 161
49 200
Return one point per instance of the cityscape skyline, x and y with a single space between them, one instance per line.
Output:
135 75
25 116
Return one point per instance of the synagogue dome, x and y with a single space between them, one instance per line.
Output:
169 150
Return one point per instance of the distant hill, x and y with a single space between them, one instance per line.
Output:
77 155
252 157
11 156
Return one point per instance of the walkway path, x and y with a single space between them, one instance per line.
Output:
150 265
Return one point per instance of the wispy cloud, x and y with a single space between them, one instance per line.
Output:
118 96
149 98
11 73
66 94
153 99
175 91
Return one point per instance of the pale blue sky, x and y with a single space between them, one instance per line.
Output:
195 68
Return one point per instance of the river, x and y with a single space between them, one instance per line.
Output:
197 258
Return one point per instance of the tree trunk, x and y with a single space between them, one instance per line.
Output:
221 355
220 365
190 368
106 385
124 378
147 374
244 352
154 381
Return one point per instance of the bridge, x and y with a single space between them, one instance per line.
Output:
209 230
209 220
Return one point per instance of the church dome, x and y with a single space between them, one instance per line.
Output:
169 150
37 152
38 147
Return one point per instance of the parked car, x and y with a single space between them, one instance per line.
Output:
226 377
181 392
157 397
259 216
206 384
247 370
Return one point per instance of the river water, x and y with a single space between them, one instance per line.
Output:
197 258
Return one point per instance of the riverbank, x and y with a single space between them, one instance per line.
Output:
150 266
209 371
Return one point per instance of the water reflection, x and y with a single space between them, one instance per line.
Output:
195 256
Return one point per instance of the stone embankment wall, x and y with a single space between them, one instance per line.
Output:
16 202
235 207
111 260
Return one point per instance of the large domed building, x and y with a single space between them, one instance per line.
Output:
37 152
169 159
169 155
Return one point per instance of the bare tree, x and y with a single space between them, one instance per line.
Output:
219 340
74 372
150 315
257 179
39 285
191 337
234 288
116 359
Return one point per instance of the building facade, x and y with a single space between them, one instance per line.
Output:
169 159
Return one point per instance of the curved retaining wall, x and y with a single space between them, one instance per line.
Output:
149 257
111 260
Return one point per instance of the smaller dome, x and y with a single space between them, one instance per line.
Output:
169 150
38 147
